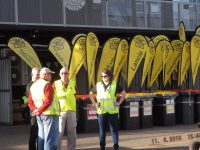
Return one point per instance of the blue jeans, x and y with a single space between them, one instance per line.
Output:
48 132
112 119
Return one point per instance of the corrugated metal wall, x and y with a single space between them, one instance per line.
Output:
7 13
5 92
40 11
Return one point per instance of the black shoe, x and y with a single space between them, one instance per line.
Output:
115 147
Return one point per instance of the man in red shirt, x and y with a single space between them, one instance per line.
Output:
46 109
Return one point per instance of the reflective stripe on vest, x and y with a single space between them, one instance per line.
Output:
106 98
66 96
38 96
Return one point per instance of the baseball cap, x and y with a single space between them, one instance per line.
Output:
45 70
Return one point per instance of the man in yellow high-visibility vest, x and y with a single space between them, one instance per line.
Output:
45 106
65 92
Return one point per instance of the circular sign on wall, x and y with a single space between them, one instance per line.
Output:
74 5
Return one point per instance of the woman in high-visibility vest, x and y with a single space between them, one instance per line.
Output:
107 107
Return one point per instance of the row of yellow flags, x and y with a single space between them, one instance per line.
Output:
159 54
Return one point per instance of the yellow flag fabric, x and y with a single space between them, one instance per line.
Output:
60 48
137 52
166 54
158 61
173 60
78 57
124 71
92 45
197 31
24 50
108 55
122 50
148 60
195 56
181 32
75 38
156 40
149 77
159 38
185 60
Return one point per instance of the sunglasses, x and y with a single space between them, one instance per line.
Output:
64 73
104 76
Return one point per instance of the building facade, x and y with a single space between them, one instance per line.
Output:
39 21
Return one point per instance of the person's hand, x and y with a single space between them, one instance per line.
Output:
35 112
117 104
97 105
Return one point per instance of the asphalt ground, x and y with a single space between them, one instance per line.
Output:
155 138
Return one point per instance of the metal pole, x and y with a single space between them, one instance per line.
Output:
64 14
106 13
41 12
145 14
16 12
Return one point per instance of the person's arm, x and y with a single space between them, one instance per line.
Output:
92 97
48 91
31 103
123 95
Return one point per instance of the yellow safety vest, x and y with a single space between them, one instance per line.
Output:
38 96
25 99
66 96
106 98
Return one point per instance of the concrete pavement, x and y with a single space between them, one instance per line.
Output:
173 137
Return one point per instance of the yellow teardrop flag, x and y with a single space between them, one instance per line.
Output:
124 71
75 38
158 61
173 60
185 60
195 56
108 56
138 49
122 50
148 60
181 32
92 45
24 50
156 40
78 57
60 48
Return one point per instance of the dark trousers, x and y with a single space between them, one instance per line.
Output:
33 134
112 119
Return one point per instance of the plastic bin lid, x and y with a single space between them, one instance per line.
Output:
166 93
196 91
185 91
140 95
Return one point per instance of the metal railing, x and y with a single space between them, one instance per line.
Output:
125 14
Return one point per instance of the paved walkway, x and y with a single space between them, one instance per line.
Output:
177 137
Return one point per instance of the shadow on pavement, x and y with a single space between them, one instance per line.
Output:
107 148
124 148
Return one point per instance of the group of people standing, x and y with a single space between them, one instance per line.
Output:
53 109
